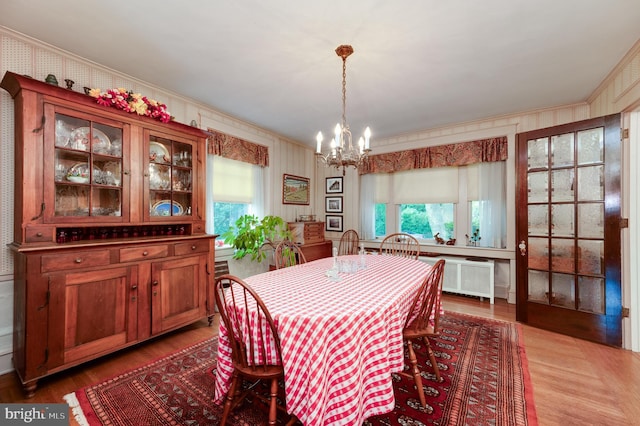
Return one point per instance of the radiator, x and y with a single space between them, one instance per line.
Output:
469 277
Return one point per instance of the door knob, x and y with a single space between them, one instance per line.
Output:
523 248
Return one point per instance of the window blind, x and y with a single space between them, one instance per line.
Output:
232 181
429 186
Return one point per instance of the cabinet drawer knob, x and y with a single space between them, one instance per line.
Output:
193 247
39 234
133 287
78 260
145 253
155 283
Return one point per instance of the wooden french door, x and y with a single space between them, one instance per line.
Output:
568 245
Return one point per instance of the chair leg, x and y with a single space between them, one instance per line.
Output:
230 396
432 358
413 361
273 407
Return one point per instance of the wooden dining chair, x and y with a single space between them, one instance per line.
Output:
288 253
422 323
349 243
400 244
252 334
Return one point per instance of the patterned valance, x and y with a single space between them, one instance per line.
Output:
237 149
457 154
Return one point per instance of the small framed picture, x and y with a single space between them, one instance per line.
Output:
333 223
295 190
333 205
334 185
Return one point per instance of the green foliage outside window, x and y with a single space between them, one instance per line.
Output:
226 214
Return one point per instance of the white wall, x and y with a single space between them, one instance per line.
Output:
28 56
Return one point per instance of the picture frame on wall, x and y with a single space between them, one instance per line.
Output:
333 223
333 205
334 185
295 190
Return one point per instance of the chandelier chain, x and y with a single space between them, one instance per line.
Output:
344 91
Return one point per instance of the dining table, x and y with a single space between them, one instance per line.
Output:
340 334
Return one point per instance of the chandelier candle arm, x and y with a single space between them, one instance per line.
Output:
342 152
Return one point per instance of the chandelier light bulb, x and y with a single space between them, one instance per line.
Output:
367 136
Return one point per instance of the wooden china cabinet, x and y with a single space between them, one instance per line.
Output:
109 236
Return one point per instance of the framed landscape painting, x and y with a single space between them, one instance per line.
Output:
295 190
333 223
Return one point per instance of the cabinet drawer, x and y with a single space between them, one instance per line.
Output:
131 254
39 234
191 247
313 230
74 260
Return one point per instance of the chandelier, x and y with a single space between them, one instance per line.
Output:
342 152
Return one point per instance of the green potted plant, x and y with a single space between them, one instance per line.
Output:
251 235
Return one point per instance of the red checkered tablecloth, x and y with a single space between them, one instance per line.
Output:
340 340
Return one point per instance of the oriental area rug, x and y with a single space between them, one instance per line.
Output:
482 362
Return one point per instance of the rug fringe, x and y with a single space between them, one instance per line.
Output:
74 404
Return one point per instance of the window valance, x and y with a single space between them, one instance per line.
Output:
457 154
234 148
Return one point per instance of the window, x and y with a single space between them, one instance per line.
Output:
426 202
226 214
381 219
425 221
234 191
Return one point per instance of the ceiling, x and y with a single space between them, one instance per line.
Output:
418 64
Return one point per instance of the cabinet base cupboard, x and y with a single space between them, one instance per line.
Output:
109 241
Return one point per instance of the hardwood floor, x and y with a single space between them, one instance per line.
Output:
574 381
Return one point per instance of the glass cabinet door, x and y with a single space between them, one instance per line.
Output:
87 170
170 174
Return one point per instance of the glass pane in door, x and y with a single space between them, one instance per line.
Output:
562 258
591 146
563 290
562 185
562 150
538 153
538 219
591 183
591 294
591 257
562 220
538 286
539 253
538 187
591 220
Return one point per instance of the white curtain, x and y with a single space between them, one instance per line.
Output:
208 188
257 204
367 207
492 196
